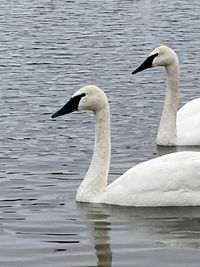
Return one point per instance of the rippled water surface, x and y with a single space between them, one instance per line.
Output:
48 49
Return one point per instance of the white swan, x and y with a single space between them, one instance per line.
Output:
180 128
169 180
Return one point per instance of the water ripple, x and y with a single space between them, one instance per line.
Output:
48 50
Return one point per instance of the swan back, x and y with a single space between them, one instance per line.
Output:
169 180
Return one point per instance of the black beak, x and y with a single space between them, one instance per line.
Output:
146 64
70 106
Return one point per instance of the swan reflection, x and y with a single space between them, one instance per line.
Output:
116 230
163 150
100 228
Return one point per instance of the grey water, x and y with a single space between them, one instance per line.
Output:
48 50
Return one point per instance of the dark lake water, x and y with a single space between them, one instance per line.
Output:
48 50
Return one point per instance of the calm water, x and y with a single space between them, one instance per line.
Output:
48 49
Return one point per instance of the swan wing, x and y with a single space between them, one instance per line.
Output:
188 123
189 109
169 180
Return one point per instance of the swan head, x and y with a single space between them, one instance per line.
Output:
160 56
89 97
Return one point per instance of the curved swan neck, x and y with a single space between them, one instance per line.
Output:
167 132
96 177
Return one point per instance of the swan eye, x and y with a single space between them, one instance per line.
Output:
153 56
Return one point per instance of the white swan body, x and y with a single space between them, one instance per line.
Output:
180 128
188 123
169 180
